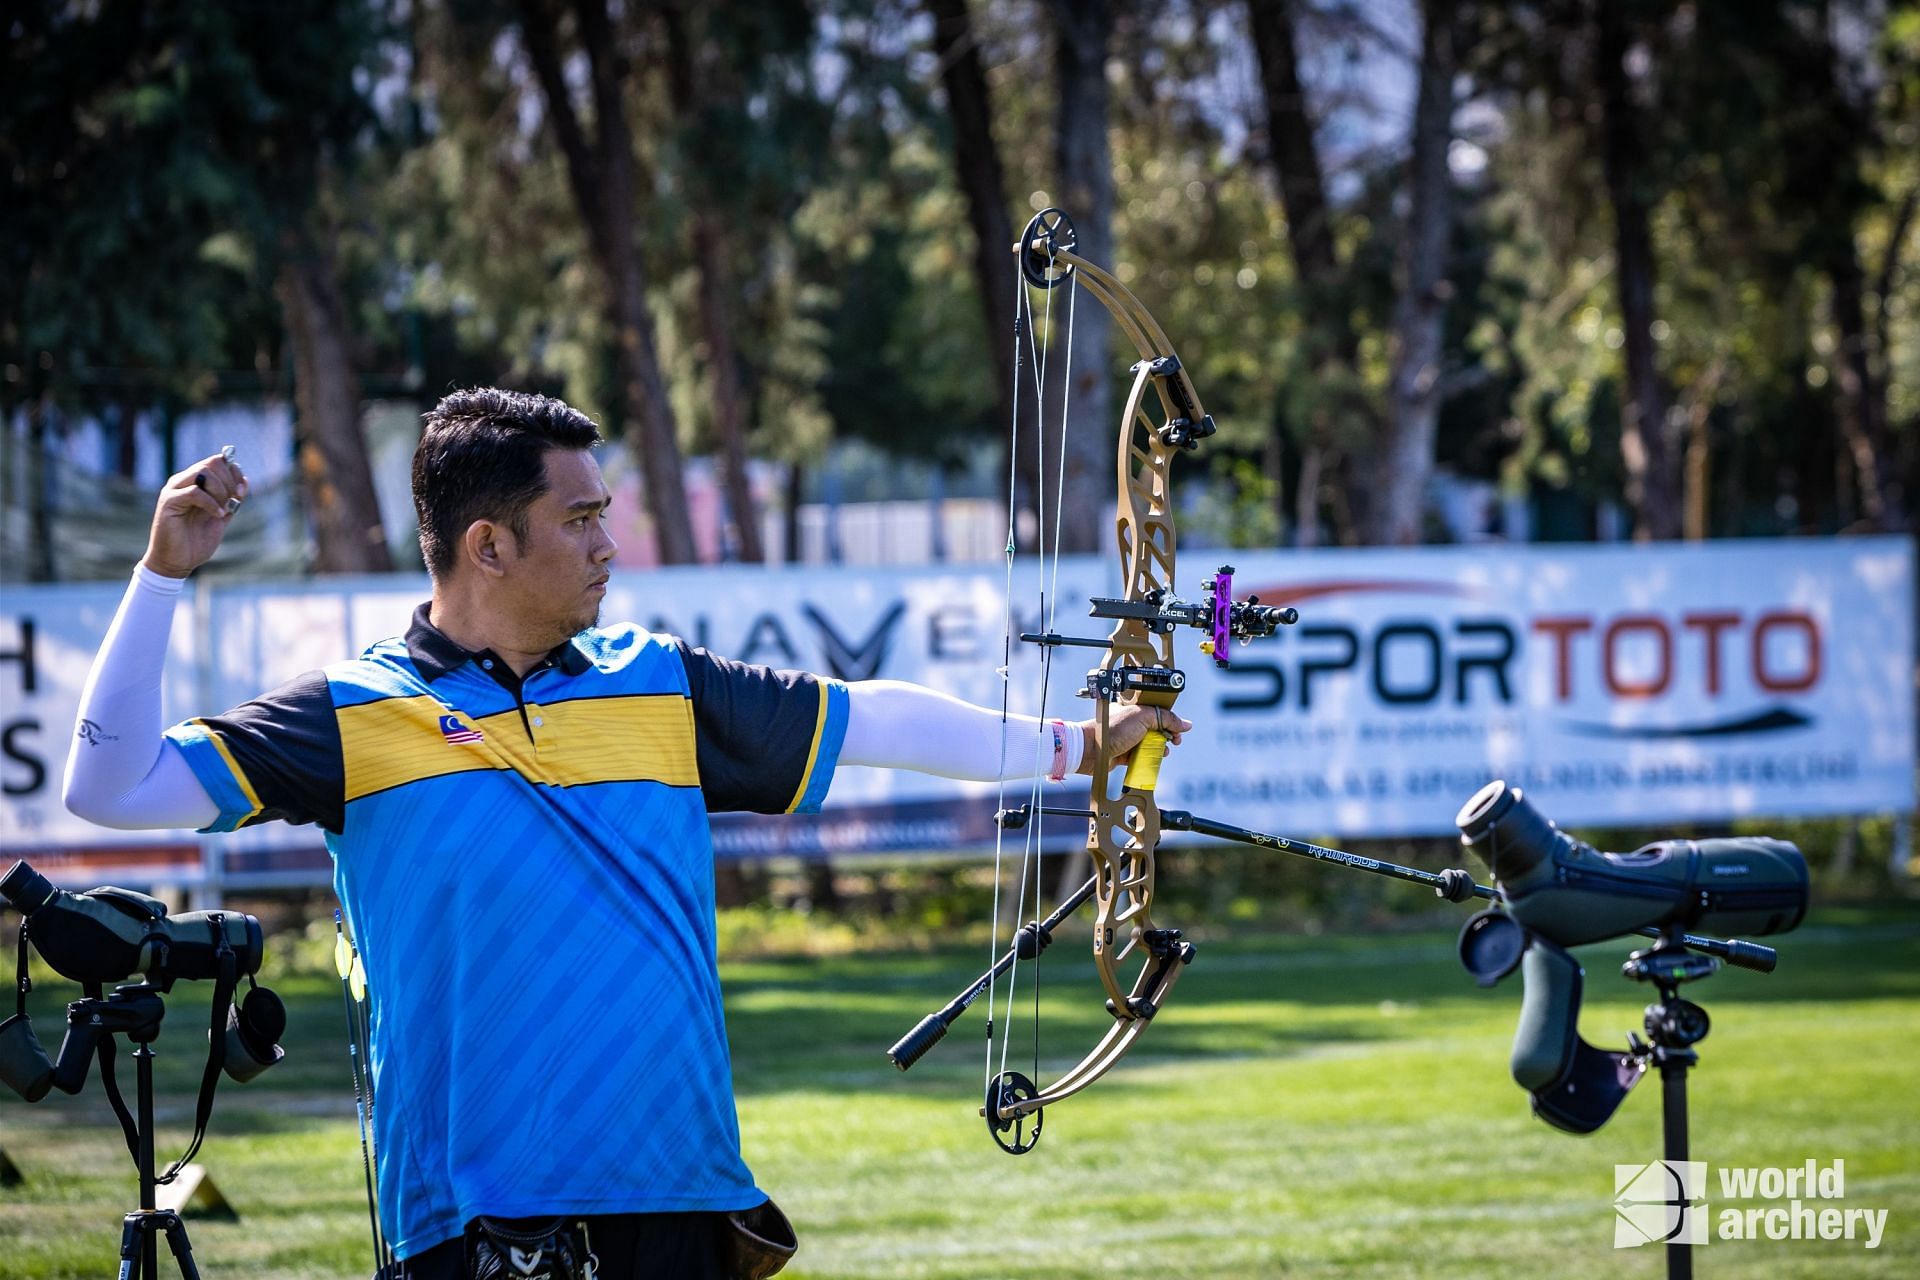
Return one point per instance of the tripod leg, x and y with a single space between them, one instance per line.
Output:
182 1251
1673 1117
132 1233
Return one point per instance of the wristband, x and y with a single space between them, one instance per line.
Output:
1058 773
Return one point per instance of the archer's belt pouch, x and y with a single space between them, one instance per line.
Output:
528 1249
757 1242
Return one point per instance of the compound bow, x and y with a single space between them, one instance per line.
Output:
1124 827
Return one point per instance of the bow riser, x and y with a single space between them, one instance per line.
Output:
1126 827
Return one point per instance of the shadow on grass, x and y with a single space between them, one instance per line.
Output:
1272 996
806 1022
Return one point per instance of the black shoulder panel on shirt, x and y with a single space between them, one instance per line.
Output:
287 742
754 730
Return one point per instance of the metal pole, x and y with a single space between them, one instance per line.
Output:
149 1247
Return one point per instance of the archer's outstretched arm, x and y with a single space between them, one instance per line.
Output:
121 771
895 725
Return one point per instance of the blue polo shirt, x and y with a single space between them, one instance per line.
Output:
528 871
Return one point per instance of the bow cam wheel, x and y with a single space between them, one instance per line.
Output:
1015 1134
1038 265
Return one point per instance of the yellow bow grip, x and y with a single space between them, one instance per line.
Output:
1143 771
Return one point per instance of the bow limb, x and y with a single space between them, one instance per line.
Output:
1155 981
1178 397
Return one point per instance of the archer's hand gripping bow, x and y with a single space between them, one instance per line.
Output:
1123 827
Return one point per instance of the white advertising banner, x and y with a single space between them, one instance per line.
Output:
1621 685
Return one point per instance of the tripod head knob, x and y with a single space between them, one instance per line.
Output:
1677 1024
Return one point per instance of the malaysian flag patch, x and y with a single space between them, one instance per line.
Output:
453 731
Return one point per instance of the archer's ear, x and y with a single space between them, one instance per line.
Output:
486 546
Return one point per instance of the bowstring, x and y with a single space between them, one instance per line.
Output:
1006 662
1040 354
1050 603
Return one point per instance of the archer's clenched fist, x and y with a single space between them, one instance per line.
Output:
192 515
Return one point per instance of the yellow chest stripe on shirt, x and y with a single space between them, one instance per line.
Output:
639 738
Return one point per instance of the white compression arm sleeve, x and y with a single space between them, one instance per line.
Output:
895 725
120 771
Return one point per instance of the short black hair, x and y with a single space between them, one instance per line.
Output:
482 456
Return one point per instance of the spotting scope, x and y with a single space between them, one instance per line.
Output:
1557 892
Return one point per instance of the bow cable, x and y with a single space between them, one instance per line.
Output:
1033 843
1034 848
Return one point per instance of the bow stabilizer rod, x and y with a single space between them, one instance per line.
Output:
1454 884
1031 939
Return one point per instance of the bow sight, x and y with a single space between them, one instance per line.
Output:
1228 619
1160 611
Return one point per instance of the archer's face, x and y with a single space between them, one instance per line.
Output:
555 578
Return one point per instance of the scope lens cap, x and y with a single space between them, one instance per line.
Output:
253 1026
1488 805
1491 944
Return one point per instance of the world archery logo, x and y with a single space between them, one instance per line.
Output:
453 731
1663 1202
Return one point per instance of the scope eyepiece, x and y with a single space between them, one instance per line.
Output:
25 888
1510 834
1484 808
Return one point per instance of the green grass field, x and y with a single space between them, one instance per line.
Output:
1305 1106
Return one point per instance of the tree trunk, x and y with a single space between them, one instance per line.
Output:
39 486
1082 31
796 491
1306 501
1698 524
1405 455
334 472
1844 103
710 258
1862 400
1295 155
600 172
977 170
730 887
1893 487
823 890
126 452
1647 439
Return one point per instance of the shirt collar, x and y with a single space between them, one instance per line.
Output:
435 655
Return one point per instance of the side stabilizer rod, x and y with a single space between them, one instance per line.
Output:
1028 943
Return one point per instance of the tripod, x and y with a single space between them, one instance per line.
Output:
1674 1026
134 1010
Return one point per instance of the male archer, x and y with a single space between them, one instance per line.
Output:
515 797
